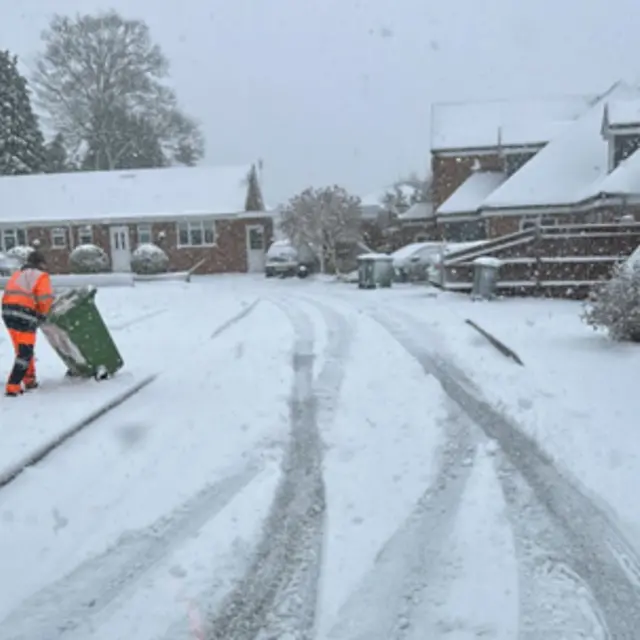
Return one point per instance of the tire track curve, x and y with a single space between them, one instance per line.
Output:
75 605
595 551
277 597
554 602
383 606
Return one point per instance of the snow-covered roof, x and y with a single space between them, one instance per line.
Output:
623 112
623 180
418 211
110 195
468 197
477 125
565 170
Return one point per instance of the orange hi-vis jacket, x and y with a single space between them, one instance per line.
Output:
27 297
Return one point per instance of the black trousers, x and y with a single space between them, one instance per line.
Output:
23 338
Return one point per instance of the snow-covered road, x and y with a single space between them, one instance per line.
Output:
310 462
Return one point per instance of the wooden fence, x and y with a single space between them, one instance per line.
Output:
559 261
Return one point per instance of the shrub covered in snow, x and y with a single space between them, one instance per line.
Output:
148 259
615 305
20 253
88 258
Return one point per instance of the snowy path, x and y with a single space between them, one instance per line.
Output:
310 467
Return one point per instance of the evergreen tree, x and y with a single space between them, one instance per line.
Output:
57 159
21 141
254 195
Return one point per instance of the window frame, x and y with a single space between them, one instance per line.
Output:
195 225
82 233
144 228
537 221
16 232
59 232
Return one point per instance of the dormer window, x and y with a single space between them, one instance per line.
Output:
621 130
624 145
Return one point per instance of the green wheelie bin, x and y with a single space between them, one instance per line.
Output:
76 331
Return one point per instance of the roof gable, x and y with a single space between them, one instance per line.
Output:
149 193
623 113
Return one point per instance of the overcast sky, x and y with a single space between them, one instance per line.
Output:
340 90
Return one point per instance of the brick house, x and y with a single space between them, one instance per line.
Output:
505 166
210 214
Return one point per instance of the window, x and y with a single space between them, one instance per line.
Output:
196 234
145 235
623 147
59 238
12 238
85 235
531 223
464 231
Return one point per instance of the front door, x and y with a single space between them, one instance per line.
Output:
256 249
120 248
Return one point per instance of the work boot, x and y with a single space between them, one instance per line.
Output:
13 391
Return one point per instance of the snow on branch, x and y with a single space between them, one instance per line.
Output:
322 219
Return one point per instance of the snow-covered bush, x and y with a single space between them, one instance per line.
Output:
148 259
615 305
20 252
88 258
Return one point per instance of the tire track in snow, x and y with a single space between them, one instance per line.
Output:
382 607
596 551
555 603
75 605
277 597
119 326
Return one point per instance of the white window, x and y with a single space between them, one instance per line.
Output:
196 234
145 235
12 238
59 238
85 235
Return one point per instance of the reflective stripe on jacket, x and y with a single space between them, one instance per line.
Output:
28 294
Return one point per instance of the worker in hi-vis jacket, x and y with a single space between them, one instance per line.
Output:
26 302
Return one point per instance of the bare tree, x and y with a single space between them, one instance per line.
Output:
322 219
96 68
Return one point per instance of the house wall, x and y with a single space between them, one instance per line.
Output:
228 255
554 262
449 172
497 225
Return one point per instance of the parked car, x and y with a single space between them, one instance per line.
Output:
412 261
285 261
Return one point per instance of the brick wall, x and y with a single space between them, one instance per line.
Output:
228 255
449 172
504 225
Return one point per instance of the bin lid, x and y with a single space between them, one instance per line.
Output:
488 261
71 298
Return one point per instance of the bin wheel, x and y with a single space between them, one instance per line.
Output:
101 373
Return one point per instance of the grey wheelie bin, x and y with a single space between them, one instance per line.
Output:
78 334
375 270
